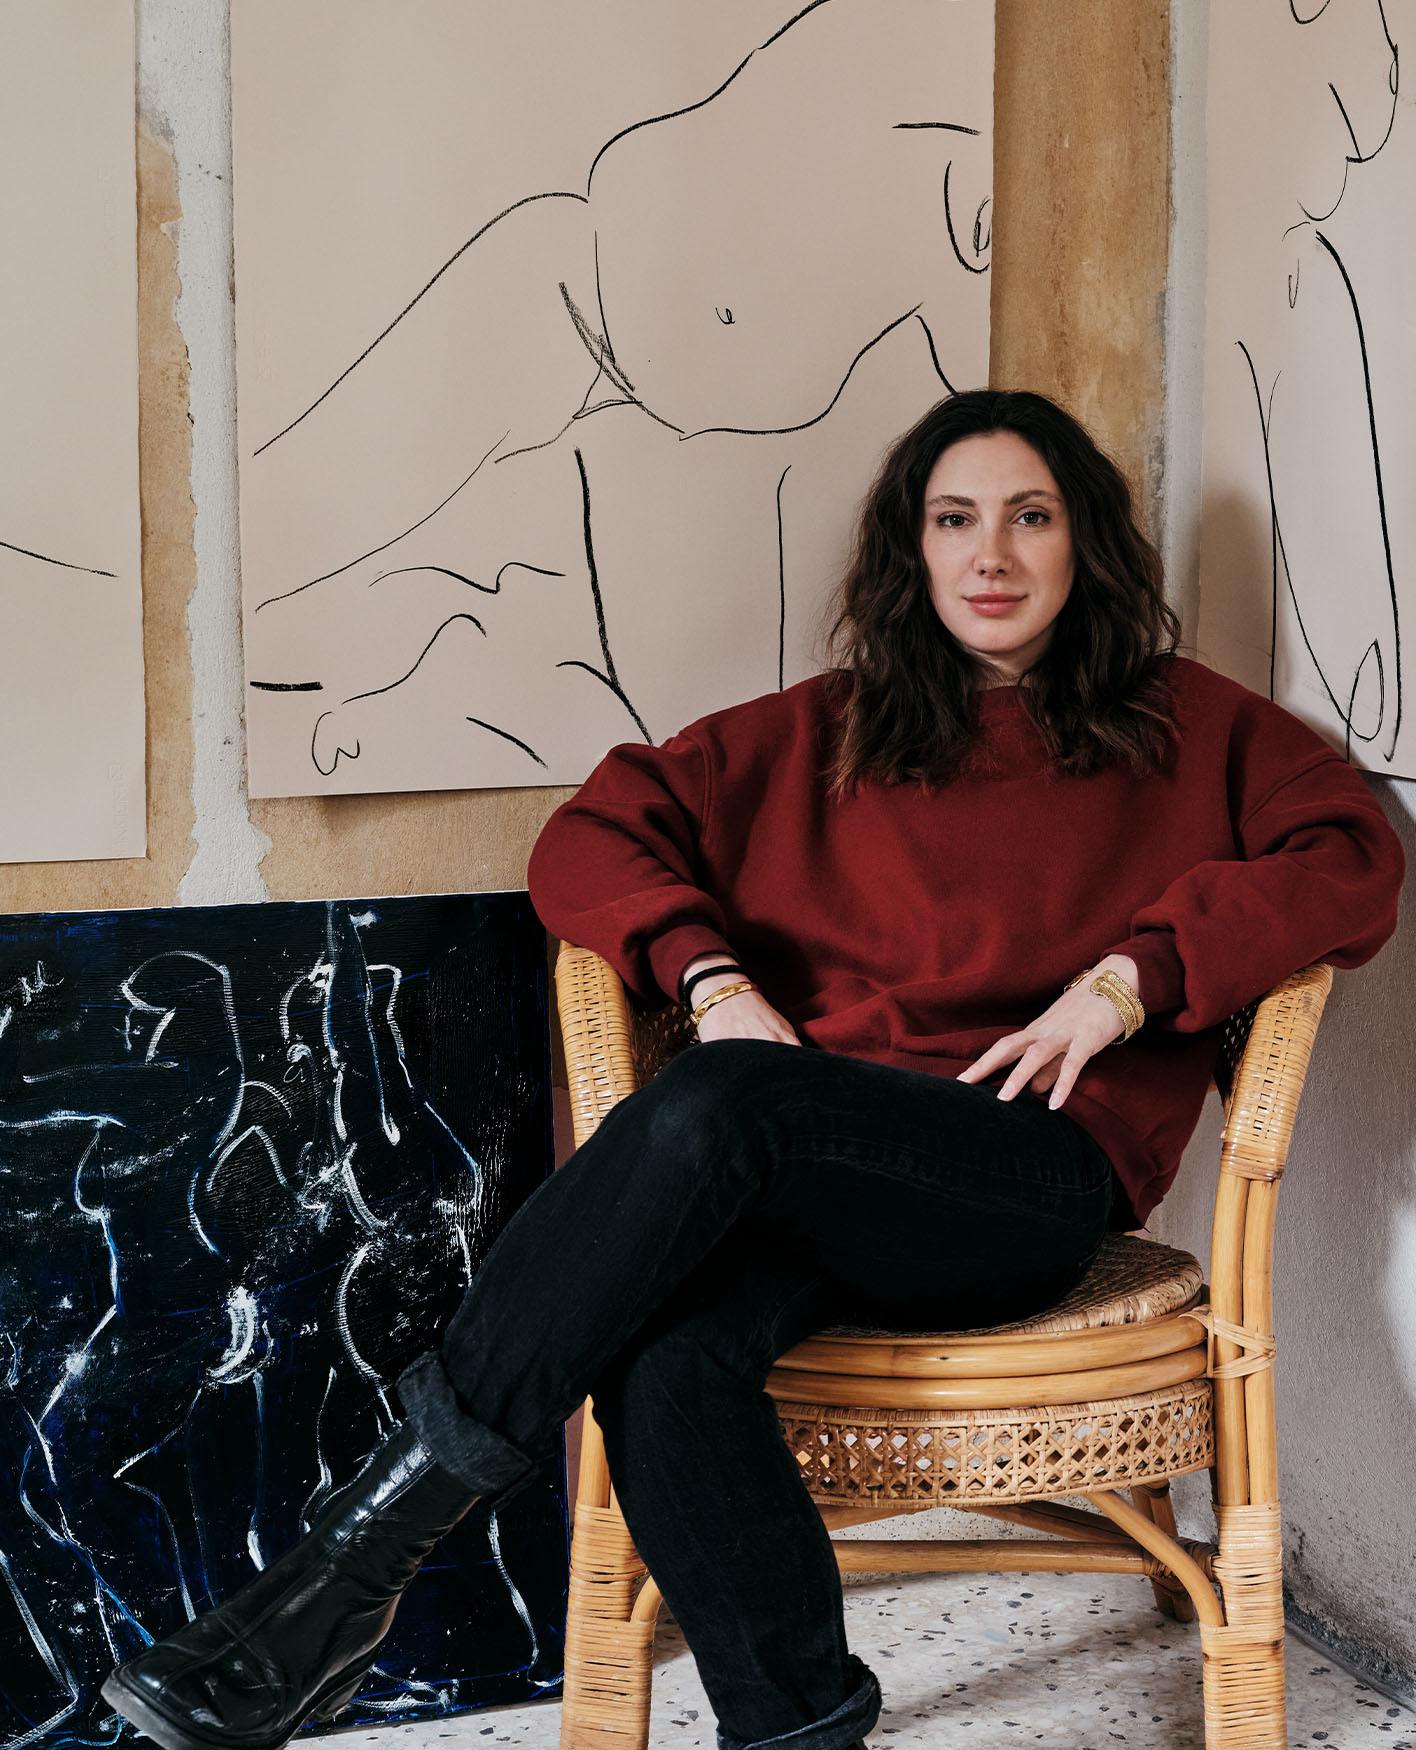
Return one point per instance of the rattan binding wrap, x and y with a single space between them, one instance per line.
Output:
609 1651
1139 1374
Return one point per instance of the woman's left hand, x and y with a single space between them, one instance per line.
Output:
1056 1045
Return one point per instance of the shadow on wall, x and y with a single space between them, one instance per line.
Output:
1241 527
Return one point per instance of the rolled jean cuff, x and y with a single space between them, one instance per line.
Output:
485 1461
840 1730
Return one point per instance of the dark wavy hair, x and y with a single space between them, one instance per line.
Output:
907 687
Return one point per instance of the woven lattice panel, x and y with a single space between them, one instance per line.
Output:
934 1457
657 1035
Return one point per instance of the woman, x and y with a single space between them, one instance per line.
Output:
992 843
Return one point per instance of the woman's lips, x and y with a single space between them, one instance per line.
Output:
982 605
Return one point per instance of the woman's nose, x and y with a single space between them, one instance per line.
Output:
994 552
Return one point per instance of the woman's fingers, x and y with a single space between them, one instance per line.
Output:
1066 1079
1078 1025
1041 1051
1015 1045
999 1052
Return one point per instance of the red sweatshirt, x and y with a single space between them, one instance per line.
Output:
913 929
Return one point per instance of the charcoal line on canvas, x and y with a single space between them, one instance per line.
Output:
1317 376
49 559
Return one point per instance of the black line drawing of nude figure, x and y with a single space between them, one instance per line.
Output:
1313 365
724 280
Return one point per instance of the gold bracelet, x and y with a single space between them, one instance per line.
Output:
1125 1000
728 990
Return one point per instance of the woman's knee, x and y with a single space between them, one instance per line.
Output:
675 1376
725 1082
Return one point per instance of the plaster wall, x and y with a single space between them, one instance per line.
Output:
1345 1244
1094 301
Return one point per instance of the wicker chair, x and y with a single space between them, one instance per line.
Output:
1141 1373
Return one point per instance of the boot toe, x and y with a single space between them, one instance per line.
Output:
208 1696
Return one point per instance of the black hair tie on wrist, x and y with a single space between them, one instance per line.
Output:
686 984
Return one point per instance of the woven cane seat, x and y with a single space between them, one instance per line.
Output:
1129 1280
1108 1387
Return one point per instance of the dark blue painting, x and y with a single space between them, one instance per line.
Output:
250 1158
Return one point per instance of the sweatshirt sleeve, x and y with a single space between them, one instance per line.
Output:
617 868
1318 879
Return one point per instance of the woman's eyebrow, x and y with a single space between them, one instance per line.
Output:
1016 498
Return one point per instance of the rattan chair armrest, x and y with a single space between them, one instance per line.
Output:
1269 1071
1264 1064
597 1034
1269 1059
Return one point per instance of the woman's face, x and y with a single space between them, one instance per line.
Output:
995 524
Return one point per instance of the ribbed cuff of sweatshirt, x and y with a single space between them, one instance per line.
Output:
1160 973
671 952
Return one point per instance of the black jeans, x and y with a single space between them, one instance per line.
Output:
749 1195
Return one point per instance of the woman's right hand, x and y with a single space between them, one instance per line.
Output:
748 1015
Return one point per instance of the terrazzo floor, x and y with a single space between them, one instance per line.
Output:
1069 1661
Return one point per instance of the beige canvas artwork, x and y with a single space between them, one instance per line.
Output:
71 702
569 336
1308 541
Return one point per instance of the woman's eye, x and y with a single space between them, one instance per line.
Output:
949 519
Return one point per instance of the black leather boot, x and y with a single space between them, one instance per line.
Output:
300 1638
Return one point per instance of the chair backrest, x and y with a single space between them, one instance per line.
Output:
1232 1042
656 1037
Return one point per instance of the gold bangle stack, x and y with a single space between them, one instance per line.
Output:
728 990
1118 993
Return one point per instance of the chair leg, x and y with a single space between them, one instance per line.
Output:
1243 1656
609 1652
1171 1598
